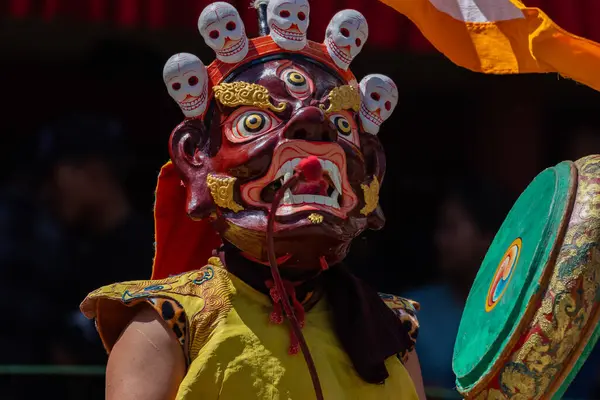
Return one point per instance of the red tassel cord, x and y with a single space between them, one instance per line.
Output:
276 316
309 169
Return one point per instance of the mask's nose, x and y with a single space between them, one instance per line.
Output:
311 124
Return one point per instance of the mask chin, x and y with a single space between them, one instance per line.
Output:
240 233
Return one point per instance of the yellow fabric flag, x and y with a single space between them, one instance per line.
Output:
503 37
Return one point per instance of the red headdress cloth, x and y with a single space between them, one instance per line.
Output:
182 244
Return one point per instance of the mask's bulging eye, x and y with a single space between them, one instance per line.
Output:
294 78
346 127
249 124
253 123
297 83
342 125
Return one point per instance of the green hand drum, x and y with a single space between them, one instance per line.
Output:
532 314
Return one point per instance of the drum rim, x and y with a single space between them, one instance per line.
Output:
591 335
575 362
495 367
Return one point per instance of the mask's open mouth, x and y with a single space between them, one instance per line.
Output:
325 191
330 192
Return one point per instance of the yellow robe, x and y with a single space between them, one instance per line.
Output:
233 351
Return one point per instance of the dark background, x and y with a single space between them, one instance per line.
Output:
450 125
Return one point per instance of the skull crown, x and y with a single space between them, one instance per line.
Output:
189 82
288 22
345 37
379 97
223 31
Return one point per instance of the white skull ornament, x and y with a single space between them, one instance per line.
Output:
345 37
288 23
223 30
379 97
187 82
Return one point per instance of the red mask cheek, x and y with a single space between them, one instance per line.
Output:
352 138
248 135
246 160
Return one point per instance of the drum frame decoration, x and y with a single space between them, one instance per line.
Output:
559 327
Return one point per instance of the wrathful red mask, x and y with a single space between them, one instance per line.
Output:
260 124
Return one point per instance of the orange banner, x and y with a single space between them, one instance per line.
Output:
503 37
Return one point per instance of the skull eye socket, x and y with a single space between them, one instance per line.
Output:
284 14
176 86
345 32
358 42
193 80
214 34
230 26
375 96
301 16
388 105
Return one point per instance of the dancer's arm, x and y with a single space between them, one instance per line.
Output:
146 362
414 370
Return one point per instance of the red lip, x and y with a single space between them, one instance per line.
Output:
292 149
